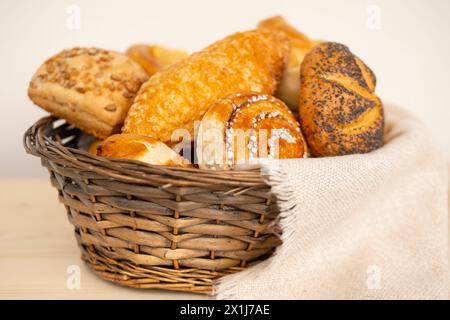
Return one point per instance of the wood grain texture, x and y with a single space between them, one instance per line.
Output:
38 246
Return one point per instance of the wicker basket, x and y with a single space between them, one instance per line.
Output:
153 226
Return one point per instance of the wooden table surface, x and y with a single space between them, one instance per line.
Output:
37 246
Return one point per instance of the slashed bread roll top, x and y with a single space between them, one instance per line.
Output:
91 88
339 110
178 96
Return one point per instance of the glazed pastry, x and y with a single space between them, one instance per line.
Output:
288 89
179 95
246 126
90 88
153 58
141 148
339 110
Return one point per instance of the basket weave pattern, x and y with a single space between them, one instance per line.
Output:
153 226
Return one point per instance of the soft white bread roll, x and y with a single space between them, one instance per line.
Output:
141 148
90 88
247 126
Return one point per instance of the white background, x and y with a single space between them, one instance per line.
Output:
409 52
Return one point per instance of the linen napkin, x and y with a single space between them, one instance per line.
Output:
366 226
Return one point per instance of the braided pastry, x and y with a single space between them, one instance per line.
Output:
339 110
246 126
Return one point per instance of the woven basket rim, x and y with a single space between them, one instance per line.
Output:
149 226
125 169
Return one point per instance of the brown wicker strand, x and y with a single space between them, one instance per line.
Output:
161 227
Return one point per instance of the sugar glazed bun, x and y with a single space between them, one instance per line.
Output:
247 126
141 148
90 88
179 95
153 58
339 111
288 89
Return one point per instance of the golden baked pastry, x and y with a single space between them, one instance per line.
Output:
141 148
153 58
339 110
90 88
246 126
177 96
288 89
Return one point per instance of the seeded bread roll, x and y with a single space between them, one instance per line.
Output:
141 148
339 111
90 88
176 97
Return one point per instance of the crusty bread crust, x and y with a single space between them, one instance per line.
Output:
141 148
339 110
245 126
90 88
179 95
289 88
278 23
153 58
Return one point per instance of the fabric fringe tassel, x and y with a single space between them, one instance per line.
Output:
227 287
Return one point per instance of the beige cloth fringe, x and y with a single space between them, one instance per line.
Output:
372 226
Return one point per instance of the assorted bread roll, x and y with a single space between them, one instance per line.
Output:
339 110
231 103
247 126
90 88
141 148
173 99
153 58
288 89
92 149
